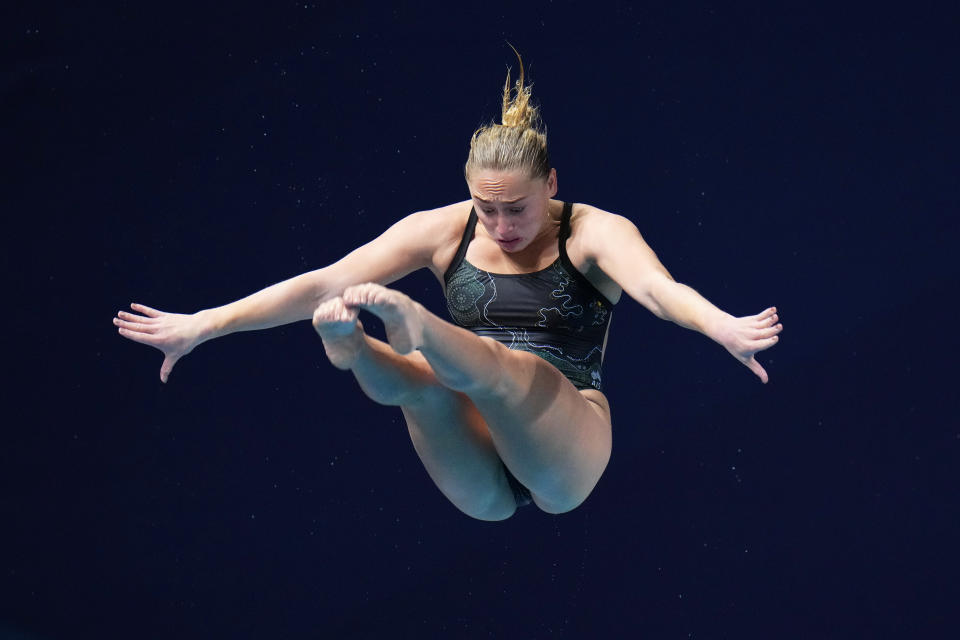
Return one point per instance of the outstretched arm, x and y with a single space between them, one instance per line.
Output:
406 246
742 337
177 334
621 252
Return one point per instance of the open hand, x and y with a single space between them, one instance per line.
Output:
744 337
174 334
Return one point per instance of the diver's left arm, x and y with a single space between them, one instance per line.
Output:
619 250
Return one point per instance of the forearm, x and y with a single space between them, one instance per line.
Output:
285 302
681 304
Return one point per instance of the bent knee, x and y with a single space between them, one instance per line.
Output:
556 507
493 504
494 511
497 514
562 497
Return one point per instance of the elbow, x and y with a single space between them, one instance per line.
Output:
651 304
657 294
660 312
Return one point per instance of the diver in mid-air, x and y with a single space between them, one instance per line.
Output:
504 405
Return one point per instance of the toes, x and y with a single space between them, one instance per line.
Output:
347 314
322 312
351 295
362 294
333 310
359 295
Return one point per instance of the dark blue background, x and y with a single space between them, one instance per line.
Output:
797 155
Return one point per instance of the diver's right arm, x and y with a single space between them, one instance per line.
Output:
405 247
282 303
177 334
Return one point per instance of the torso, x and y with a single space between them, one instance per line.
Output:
540 260
484 253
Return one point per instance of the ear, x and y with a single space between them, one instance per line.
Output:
552 183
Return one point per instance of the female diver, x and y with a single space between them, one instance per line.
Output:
504 407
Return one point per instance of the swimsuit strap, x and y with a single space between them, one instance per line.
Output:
462 249
564 234
562 237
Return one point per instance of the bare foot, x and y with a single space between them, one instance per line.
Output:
341 332
400 314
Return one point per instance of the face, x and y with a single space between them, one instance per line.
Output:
512 207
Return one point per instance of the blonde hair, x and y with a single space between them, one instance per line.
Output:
519 142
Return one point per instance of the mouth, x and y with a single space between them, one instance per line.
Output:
508 243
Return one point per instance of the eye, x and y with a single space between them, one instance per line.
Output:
516 209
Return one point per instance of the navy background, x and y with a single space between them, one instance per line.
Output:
795 156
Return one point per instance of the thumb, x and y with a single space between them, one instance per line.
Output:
757 369
167 367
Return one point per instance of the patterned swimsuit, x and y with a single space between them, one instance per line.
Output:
555 313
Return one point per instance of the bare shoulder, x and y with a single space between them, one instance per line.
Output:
614 247
435 232
593 237
442 221
592 229
425 231
413 242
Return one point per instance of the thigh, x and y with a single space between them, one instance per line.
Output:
456 448
555 439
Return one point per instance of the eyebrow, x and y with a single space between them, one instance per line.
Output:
503 201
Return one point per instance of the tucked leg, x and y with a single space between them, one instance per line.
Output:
555 439
447 431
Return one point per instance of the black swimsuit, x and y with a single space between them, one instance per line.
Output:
555 313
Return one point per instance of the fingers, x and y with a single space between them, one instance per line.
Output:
125 315
763 345
766 318
768 332
763 335
138 327
138 336
153 313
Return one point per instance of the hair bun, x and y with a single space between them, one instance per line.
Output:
519 143
517 108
